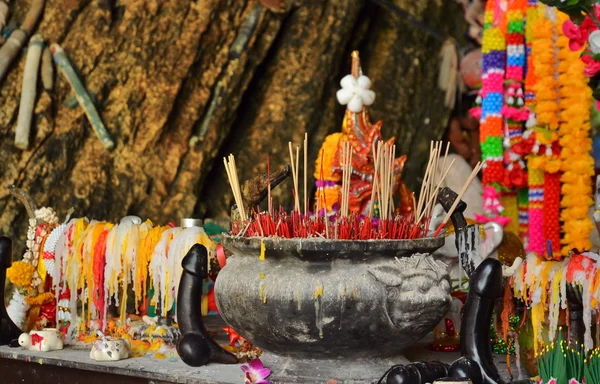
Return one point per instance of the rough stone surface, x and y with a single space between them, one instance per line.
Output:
362 304
154 68
284 371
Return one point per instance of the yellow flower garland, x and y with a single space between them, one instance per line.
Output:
547 107
328 196
576 145
41 299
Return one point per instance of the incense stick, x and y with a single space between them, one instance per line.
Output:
431 203
375 176
231 170
295 178
269 185
443 167
424 183
305 173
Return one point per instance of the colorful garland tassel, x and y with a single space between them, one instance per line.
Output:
494 57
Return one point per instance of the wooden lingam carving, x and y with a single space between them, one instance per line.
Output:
8 330
196 347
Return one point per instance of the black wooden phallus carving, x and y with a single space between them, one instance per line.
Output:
9 332
485 281
196 347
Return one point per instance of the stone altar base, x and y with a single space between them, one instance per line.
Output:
292 371
74 366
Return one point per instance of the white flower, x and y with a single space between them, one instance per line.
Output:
594 41
355 93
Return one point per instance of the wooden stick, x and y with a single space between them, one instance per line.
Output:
383 174
237 186
81 94
294 177
375 176
28 92
424 183
463 190
391 181
232 176
443 167
297 179
234 173
305 174
433 197
269 186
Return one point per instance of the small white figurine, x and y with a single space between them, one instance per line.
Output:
110 349
48 339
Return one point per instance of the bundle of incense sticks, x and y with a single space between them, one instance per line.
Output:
352 227
346 225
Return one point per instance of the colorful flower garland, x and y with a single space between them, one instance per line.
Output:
576 145
514 111
491 123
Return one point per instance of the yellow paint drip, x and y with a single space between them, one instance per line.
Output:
262 250
318 292
263 295
262 275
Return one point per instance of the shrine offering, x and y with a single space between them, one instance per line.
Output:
351 278
86 277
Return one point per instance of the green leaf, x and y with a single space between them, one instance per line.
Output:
596 93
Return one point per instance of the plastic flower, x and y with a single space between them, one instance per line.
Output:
255 372
578 36
355 93
592 67
552 380
594 40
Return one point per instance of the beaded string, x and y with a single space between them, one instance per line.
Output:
491 122
514 110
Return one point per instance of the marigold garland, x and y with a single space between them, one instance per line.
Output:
576 145
20 274
328 189
41 299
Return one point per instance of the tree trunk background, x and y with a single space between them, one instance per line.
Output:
154 66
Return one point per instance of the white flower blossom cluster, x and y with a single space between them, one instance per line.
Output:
33 243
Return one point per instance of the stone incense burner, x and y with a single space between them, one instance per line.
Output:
327 299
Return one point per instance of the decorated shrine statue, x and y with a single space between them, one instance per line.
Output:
362 136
